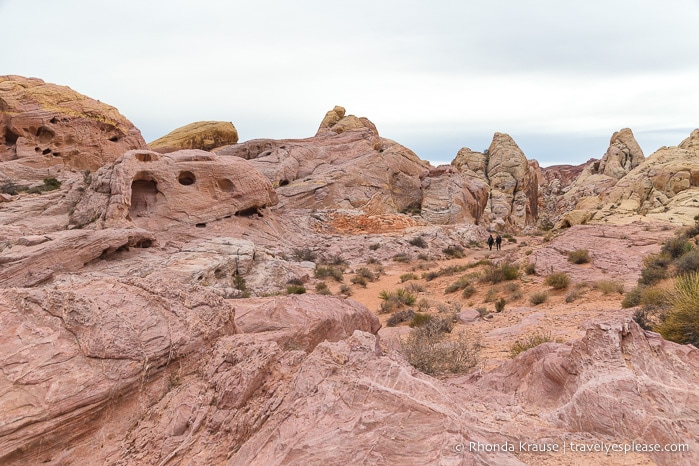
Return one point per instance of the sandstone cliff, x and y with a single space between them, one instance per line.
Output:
203 135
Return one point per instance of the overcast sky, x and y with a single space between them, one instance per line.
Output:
560 77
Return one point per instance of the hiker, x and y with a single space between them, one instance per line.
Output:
490 242
498 242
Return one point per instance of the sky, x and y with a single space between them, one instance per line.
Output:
559 77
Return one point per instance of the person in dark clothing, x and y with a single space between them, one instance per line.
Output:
490 242
498 242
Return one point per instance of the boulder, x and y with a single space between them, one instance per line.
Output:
45 125
155 191
203 135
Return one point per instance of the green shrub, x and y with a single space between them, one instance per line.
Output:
393 300
632 298
676 247
491 295
460 284
51 183
531 341
530 268
681 323
643 317
454 251
9 187
335 260
501 272
322 288
295 289
323 271
579 256
688 262
654 297
345 290
418 242
239 283
538 297
408 276
445 271
558 281
358 280
652 275
366 273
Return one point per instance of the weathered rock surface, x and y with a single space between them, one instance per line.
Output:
155 191
70 351
44 125
203 135
449 197
339 169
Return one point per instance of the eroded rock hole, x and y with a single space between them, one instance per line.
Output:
200 225
10 137
283 182
114 139
225 185
45 135
143 195
144 243
46 151
186 178
249 212
146 157
53 120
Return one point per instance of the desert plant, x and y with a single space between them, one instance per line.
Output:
681 323
374 246
468 291
345 290
643 318
423 304
418 242
400 317
295 289
323 271
538 297
433 354
652 275
322 288
372 260
502 272
676 247
654 297
579 256
500 305
358 280
530 268
445 271
558 281
304 254
454 251
483 311
239 284
9 187
423 257
414 287
688 262
490 295
364 272
335 260
531 341
393 300
609 286
408 276
419 319
460 284
402 257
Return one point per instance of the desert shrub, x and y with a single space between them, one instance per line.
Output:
675 247
538 297
657 260
394 300
295 289
632 298
609 286
681 323
9 187
324 271
688 262
408 276
558 281
418 242
322 288
530 268
365 273
468 291
402 257
345 290
490 295
423 304
460 284
500 305
499 273
419 319
239 284
335 260
546 224
294 281
51 183
643 318
652 275
374 246
400 317
304 254
433 354
573 295
445 271
483 311
654 297
413 287
373 260
358 280
454 251
531 341
423 257
579 256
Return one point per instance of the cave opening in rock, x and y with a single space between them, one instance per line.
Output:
249 212
114 139
45 135
225 185
144 194
186 178
10 137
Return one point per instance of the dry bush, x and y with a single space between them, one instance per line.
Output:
579 256
408 276
358 280
538 297
419 319
304 254
322 288
430 352
396 299
364 272
454 251
500 305
558 281
681 323
500 273
460 284
531 341
414 287
418 242
491 295
468 291
402 257
400 317
609 286
324 271
688 262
